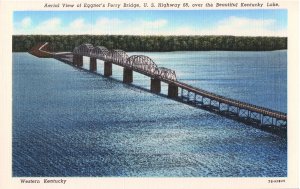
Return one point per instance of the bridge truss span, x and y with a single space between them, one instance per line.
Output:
83 50
165 73
143 63
100 52
118 56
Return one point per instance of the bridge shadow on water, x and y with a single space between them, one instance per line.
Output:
282 132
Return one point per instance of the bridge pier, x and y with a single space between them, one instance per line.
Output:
77 60
155 85
172 91
93 64
107 69
127 75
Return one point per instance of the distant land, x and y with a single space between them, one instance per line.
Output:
130 43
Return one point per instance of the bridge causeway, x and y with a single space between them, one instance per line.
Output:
259 117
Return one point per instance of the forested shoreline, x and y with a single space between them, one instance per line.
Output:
23 43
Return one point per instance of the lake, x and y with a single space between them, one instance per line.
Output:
68 122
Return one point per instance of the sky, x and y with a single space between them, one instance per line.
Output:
153 22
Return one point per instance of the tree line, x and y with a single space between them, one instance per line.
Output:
23 43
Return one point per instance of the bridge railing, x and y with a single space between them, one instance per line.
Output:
137 62
84 49
100 52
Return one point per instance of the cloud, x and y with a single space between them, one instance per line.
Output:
50 26
102 25
237 26
51 23
26 22
108 21
245 23
116 26
242 26
156 23
184 30
77 24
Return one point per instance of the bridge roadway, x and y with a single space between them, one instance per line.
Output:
263 118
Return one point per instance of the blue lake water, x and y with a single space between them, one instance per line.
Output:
68 122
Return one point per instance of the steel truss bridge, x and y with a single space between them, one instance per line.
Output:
257 116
